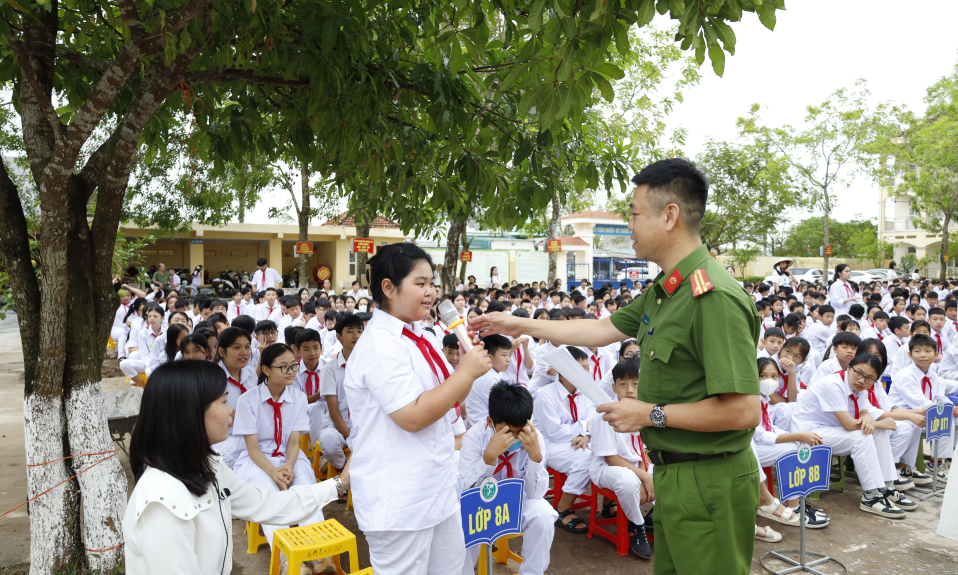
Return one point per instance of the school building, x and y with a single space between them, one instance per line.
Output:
899 223
236 247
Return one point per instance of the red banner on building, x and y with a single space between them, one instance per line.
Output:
554 246
304 248
362 245
465 257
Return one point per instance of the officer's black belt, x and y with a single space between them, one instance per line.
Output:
669 457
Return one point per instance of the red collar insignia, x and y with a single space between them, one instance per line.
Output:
672 282
700 283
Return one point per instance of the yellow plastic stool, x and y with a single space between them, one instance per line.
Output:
317 453
366 571
305 444
326 539
501 554
254 538
111 344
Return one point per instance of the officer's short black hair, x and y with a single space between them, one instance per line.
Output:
676 181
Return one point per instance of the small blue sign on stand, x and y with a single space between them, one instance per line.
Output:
803 471
938 420
492 510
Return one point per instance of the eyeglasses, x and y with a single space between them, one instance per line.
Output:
286 368
629 354
266 333
866 378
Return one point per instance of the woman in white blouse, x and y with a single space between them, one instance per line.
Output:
781 277
178 519
841 294
493 278
404 405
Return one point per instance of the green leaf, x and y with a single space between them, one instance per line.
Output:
526 101
621 35
699 49
561 8
455 58
605 87
725 35
610 71
662 6
646 13
717 56
535 16
766 14
525 149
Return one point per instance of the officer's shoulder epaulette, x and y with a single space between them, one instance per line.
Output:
701 283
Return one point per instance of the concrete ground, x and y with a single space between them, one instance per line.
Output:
864 543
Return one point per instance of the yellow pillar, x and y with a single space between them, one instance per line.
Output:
196 253
512 266
276 253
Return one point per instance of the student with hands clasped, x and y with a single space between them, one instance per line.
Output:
506 445
403 404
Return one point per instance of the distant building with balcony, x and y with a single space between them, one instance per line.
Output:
898 224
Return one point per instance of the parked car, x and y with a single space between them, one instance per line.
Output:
881 272
808 275
859 277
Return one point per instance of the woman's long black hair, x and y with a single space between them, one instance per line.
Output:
170 433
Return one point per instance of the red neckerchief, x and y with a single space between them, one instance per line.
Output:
639 449
241 387
518 362
880 338
312 378
432 358
277 426
872 398
572 407
126 306
596 369
938 337
848 288
855 403
926 383
504 461
766 420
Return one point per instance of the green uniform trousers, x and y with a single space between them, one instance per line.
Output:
705 515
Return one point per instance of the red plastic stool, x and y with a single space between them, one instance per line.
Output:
558 480
621 535
770 479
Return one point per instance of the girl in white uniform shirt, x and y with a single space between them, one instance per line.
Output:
403 407
232 355
179 512
493 278
167 347
270 417
841 294
135 366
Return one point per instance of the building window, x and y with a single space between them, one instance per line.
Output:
912 250
352 264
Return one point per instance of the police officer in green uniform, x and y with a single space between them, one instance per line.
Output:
698 401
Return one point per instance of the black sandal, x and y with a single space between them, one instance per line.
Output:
582 525
607 510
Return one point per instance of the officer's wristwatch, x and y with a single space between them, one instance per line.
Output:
339 486
658 415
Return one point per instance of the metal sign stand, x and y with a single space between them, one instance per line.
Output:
489 562
933 492
802 563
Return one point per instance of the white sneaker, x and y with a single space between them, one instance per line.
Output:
917 477
880 506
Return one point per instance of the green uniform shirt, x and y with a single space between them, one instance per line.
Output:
164 278
693 348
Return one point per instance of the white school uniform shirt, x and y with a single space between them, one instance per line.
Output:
255 416
600 363
477 402
331 345
401 481
331 382
763 436
264 312
842 297
232 310
948 368
606 442
950 330
819 335
493 280
827 367
247 381
120 314
554 416
267 278
540 371
516 373
817 406
317 324
909 393
148 338
167 529
358 294
157 354
473 469
284 322
940 339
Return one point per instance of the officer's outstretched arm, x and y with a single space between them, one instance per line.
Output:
724 412
584 333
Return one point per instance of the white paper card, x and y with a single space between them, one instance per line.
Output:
565 364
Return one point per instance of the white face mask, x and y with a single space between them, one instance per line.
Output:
362 309
768 386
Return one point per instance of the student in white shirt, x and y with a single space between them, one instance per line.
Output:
506 445
308 347
357 292
135 366
334 434
493 278
119 331
936 321
270 417
477 403
196 280
784 398
843 349
174 522
901 359
627 350
841 295
403 405
265 277
915 389
564 416
820 333
292 317
236 307
269 308
837 409
619 463
167 346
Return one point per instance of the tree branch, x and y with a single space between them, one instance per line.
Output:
230 74
84 60
29 74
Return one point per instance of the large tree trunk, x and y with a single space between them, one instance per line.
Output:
828 210
304 224
944 247
456 229
553 234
